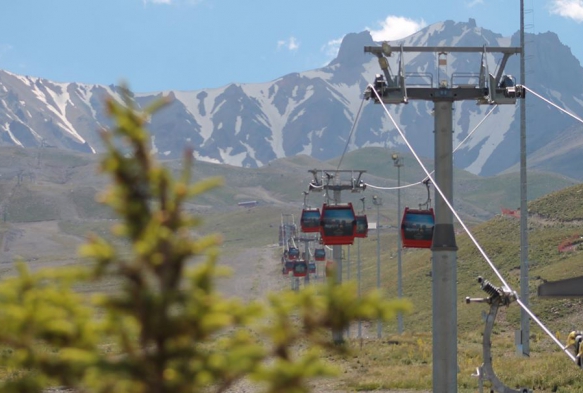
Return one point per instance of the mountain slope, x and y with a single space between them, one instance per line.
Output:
313 112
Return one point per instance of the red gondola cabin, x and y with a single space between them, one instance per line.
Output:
320 254
293 254
361 226
310 220
288 267
300 268
337 224
417 228
312 267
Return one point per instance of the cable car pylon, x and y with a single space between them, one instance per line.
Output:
489 90
334 231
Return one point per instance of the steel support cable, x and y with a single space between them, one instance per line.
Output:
470 235
454 150
347 142
555 105
543 327
350 135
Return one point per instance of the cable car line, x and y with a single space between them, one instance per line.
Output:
351 132
454 150
467 230
555 105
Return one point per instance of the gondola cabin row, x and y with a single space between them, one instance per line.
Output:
300 268
320 254
310 220
417 228
337 224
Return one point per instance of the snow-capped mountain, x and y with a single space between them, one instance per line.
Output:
313 112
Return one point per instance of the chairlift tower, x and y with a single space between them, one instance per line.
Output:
490 89
333 183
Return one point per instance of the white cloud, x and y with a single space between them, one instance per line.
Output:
331 48
572 9
290 44
396 27
473 3
4 48
175 2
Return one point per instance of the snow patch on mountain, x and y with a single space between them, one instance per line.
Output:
504 117
313 112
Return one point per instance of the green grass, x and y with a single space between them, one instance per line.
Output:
380 364
81 228
29 204
570 207
86 205
403 362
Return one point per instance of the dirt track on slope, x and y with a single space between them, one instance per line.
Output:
257 272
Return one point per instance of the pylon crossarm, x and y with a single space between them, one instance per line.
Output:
490 89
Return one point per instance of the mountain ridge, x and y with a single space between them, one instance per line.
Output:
313 112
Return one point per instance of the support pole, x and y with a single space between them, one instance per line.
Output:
444 270
307 259
337 335
378 202
359 289
398 162
348 279
524 292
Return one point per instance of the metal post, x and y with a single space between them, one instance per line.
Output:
376 200
444 272
358 274
307 259
337 335
363 199
398 162
524 293
348 278
348 263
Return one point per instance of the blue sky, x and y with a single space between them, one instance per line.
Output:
159 45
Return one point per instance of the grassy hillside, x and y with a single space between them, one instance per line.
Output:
48 205
547 369
479 197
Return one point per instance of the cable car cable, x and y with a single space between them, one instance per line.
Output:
454 150
553 104
467 230
351 132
